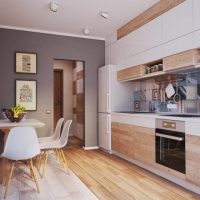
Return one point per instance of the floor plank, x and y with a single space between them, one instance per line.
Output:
110 177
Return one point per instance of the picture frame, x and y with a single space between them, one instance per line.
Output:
26 63
155 94
136 105
26 94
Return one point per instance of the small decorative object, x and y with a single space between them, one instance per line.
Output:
26 94
26 63
15 114
155 94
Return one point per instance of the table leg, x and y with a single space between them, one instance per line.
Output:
3 161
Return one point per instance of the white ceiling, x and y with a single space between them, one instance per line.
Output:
72 16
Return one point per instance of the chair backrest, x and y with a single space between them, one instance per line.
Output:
57 131
65 133
22 144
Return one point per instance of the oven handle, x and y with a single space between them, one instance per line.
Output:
169 137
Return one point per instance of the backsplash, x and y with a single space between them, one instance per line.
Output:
150 95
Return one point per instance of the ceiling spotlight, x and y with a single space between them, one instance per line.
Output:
86 31
53 7
104 14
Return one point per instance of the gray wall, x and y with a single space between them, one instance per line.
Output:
48 47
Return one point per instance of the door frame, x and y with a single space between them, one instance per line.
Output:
58 70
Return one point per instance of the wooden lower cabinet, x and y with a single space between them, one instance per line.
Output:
193 159
134 142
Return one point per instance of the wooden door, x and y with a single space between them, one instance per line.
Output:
58 95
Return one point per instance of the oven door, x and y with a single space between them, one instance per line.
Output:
170 149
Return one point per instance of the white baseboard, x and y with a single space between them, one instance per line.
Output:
91 148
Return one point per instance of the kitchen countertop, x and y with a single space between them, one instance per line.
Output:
148 120
160 116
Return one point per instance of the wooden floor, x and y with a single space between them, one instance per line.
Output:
110 177
57 185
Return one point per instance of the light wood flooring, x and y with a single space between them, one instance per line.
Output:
57 185
112 178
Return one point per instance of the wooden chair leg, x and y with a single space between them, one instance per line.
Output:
33 175
65 161
45 164
8 179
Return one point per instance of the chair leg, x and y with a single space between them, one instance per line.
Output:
8 179
45 164
30 162
65 161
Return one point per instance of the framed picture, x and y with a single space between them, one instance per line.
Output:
26 94
26 63
155 94
136 105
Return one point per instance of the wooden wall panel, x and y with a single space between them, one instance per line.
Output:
80 75
150 14
74 87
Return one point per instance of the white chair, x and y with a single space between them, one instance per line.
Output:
57 146
56 134
21 145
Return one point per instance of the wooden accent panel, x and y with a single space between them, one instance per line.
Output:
80 75
148 15
80 109
134 141
181 60
131 72
193 159
74 87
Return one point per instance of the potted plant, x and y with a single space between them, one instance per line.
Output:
14 114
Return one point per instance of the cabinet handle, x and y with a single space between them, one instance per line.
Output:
108 124
108 102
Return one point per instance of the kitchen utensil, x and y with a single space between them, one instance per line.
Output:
177 96
169 90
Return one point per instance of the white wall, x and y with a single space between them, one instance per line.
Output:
67 67
175 31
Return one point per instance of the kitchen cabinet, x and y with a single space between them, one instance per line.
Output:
132 72
193 159
181 60
178 21
134 142
196 15
179 45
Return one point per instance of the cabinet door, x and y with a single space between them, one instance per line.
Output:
196 15
104 89
179 45
144 145
181 60
177 21
193 159
123 139
105 131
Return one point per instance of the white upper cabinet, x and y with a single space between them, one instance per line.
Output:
178 21
196 14
179 45
144 38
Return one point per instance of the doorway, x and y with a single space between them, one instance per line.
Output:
72 93
58 95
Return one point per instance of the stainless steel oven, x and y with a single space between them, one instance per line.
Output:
170 144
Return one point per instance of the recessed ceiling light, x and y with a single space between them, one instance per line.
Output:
86 31
104 14
53 7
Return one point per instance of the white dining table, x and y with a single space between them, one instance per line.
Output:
6 124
